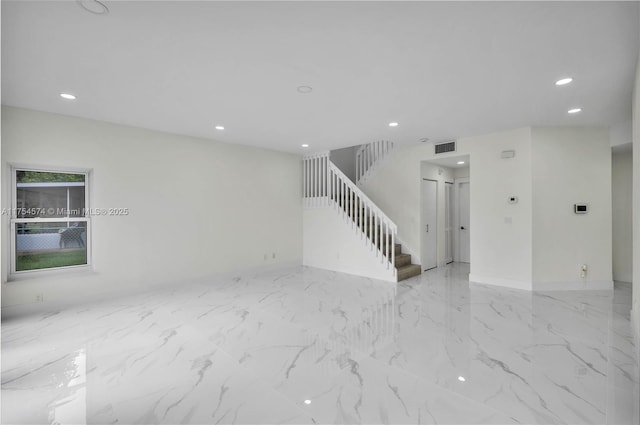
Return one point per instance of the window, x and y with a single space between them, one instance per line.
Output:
50 227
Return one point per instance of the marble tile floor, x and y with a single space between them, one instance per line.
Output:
302 345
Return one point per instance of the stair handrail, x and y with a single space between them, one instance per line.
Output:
361 194
369 156
379 224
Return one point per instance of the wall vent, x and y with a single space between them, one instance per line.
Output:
445 147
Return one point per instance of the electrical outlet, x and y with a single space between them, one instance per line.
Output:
39 298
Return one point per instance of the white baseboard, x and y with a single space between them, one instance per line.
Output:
597 285
101 289
603 285
262 268
498 281
333 242
623 278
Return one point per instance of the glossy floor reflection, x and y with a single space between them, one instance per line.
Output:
303 345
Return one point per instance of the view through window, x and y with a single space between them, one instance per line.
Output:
49 221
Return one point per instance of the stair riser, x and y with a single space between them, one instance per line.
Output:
409 272
402 260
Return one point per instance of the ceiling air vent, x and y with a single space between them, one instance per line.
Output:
445 147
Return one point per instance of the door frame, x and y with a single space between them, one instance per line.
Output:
422 223
456 190
450 207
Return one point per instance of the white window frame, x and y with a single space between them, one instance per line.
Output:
15 220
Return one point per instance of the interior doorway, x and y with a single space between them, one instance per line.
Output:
449 221
440 211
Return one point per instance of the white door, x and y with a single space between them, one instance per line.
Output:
429 224
448 222
463 222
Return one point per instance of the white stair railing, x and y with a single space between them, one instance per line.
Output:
314 180
369 157
377 230
324 185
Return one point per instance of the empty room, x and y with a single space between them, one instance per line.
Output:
304 212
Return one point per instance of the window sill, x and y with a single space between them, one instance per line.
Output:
36 275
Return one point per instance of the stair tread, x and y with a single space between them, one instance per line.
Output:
409 266
408 271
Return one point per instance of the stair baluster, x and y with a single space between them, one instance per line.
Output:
323 184
369 156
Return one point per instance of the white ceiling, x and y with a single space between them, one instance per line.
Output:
442 70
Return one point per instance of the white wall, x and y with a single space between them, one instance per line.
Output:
621 195
331 242
395 187
571 165
621 133
500 253
459 173
635 313
197 206
553 168
345 160
501 240
441 175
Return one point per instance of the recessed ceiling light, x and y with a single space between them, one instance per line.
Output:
564 81
219 127
460 162
393 124
67 96
304 145
304 89
461 378
93 6
307 402
574 110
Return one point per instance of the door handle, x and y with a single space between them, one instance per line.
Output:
461 227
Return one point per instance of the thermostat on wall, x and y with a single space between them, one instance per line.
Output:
580 208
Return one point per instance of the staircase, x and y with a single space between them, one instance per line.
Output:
404 268
325 186
369 157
